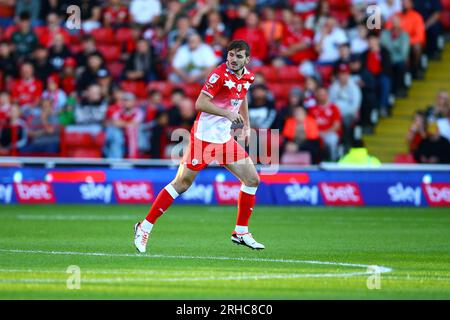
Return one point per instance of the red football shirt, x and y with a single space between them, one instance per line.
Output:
292 37
325 116
26 91
255 39
227 91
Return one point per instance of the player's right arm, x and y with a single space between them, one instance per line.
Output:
204 104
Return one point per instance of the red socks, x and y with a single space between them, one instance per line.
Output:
246 203
162 203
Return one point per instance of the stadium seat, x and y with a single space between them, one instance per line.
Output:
80 144
403 158
445 19
191 90
165 87
296 158
291 74
110 53
8 32
123 35
139 88
103 35
326 72
115 68
445 4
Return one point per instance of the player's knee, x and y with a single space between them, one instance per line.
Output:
252 181
182 185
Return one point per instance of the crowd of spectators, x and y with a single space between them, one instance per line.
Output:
56 79
429 134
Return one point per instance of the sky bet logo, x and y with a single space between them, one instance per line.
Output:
96 192
306 194
34 192
405 194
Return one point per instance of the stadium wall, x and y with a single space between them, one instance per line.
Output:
319 186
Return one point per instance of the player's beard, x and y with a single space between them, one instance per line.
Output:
236 69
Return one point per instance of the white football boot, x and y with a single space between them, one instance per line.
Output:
246 239
140 238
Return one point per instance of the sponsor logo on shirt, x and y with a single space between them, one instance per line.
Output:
213 78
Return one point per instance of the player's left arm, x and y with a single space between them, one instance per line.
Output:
244 113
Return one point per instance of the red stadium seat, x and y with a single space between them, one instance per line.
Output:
80 144
165 87
445 4
8 32
291 74
115 68
111 53
326 72
296 158
445 19
123 35
139 88
404 158
191 90
340 4
103 35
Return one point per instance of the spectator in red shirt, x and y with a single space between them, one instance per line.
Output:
115 14
378 62
216 34
27 90
52 29
328 120
254 36
297 44
417 131
5 108
68 80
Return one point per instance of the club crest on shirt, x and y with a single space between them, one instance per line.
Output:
239 87
213 78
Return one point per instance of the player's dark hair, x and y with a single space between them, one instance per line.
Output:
239 45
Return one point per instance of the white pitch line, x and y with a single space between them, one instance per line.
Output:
189 279
103 254
76 217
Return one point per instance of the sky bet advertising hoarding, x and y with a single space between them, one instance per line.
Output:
217 186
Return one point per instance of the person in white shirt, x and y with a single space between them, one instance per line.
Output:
328 40
144 11
193 61
389 8
347 96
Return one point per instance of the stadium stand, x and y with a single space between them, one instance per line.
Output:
315 26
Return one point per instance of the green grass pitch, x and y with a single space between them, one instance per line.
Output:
311 253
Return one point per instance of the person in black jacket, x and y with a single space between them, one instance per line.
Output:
377 61
141 64
366 82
